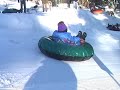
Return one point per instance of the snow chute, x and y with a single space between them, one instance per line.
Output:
62 51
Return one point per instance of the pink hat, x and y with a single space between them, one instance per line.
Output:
62 27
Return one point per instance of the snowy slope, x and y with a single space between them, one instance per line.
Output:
24 67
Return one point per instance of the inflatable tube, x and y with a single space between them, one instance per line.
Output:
97 11
62 51
11 11
114 27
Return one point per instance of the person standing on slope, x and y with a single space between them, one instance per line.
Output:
44 5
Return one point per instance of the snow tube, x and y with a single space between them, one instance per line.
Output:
12 10
97 11
114 27
62 51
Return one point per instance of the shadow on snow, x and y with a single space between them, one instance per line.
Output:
53 75
103 67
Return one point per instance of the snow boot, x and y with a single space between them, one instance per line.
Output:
79 34
84 35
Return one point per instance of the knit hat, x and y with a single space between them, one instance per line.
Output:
62 27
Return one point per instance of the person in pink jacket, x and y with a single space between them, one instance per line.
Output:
61 35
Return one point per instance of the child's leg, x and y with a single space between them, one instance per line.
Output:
79 34
84 35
